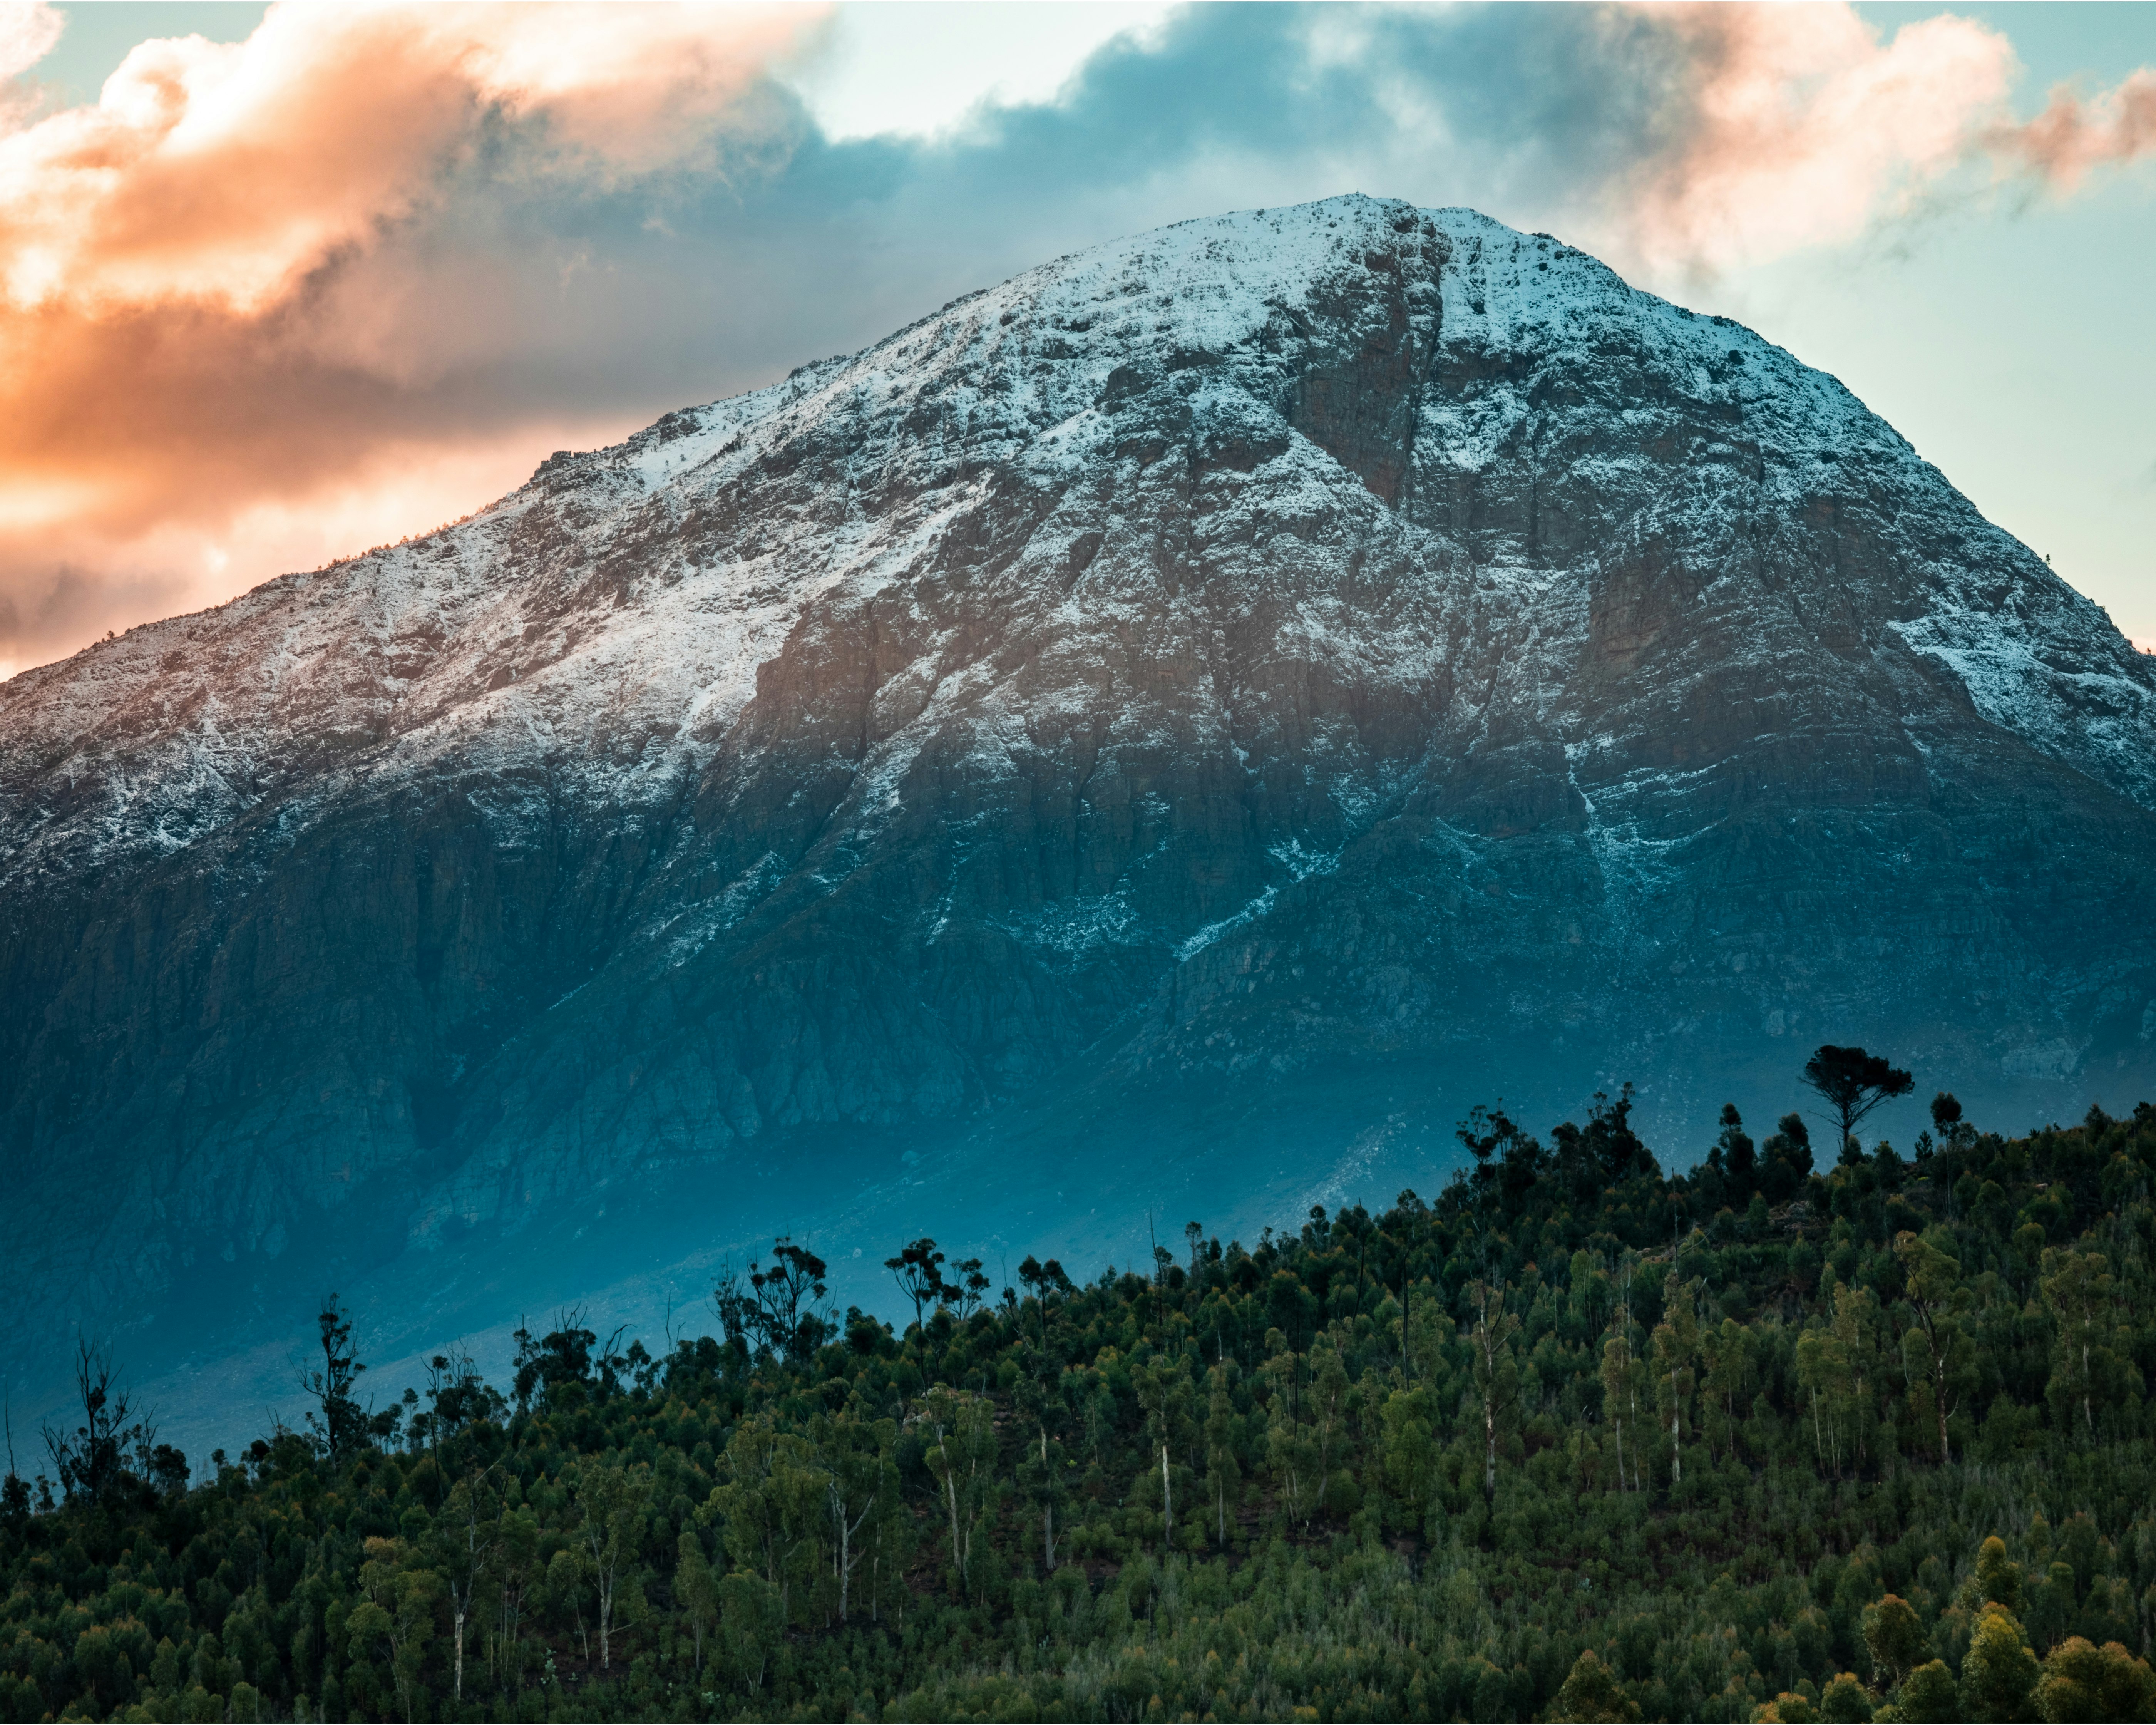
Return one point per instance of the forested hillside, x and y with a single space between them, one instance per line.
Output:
1579 1439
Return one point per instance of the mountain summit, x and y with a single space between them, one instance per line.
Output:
1255 689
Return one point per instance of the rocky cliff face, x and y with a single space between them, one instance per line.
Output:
1337 641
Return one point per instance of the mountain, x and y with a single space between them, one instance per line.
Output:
1235 696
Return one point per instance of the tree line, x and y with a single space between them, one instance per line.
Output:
1784 1436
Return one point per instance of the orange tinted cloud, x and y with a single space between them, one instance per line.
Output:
208 362
1807 126
2072 135
223 173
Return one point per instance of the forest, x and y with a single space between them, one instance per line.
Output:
1809 1431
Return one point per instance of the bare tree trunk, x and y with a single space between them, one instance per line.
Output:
1632 1401
1167 1503
846 1562
845 1568
1490 1457
1939 1398
1676 1457
1047 1509
951 1501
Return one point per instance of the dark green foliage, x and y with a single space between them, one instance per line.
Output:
1593 1695
1577 1440
2081 1681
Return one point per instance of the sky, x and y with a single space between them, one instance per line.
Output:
281 283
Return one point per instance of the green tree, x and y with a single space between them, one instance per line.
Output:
1835 1357
2084 1682
1164 1391
1929 1693
93 1463
1822 1367
1332 1402
1407 1449
961 1458
1998 1577
1290 1445
1592 1695
1494 1362
1939 1353
695 1590
1430 1334
1727 1351
290 1583
1739 1157
772 1502
861 1481
1619 1394
1845 1701
786 1308
462 1546
1855 1330
1676 1347
1044 1472
1999 1671
396 1616
753 1617
1223 1472
1894 1636
612 1496
2089 1368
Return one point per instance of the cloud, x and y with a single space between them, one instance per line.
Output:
1805 126
28 29
2072 135
257 310
211 279
222 173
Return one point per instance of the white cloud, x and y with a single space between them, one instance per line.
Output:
28 29
918 70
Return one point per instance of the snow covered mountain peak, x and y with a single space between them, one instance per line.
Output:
520 636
